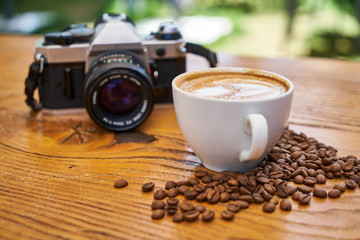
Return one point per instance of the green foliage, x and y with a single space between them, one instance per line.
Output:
334 30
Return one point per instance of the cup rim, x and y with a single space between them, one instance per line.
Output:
233 70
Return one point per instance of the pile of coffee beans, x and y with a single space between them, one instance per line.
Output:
295 168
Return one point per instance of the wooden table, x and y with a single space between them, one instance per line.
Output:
57 172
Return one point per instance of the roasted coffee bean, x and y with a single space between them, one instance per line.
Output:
350 184
312 156
304 173
171 210
269 207
233 207
121 183
186 206
208 215
200 208
242 179
270 189
218 176
299 179
348 165
326 169
285 205
242 204
230 189
173 192
213 197
304 145
267 196
160 194
182 189
220 188
158 214
201 197
259 189
233 182
296 173
275 168
312 166
227 215
224 197
294 148
199 188
276 175
310 181
320 192
251 182
304 199
326 161
235 196
170 184
276 149
200 173
178 217
348 174
147 187
191 194
321 179
172 201
193 181
335 168
258 198
339 174
182 183
291 189
296 196
334 193
158 204
262 180
340 186
356 178
312 173
304 189
206 179
212 184
244 191
191 216
296 155
282 191
246 198
329 175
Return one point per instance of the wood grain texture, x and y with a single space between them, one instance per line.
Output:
57 172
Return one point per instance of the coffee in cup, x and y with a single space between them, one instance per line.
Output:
230 86
232 117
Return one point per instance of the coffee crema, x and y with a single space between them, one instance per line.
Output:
233 86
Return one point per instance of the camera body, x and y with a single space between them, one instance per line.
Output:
110 70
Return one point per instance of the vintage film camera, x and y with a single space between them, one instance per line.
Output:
110 70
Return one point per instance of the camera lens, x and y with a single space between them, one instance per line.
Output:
119 94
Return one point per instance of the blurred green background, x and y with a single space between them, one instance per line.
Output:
263 28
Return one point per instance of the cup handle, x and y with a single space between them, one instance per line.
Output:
257 127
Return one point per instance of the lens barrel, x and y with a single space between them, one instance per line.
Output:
119 94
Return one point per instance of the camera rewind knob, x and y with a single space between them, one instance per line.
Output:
168 31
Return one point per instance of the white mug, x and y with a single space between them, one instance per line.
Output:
231 135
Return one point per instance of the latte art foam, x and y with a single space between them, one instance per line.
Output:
234 87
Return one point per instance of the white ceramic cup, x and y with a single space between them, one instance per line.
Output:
232 135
